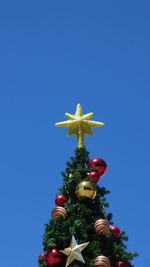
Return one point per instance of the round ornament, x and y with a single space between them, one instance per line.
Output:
58 211
102 261
85 189
94 176
60 200
54 258
115 232
100 164
101 226
42 256
124 264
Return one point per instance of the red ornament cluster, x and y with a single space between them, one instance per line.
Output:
101 167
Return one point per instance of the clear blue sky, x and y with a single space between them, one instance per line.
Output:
54 55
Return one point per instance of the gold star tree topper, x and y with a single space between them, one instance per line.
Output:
79 124
74 251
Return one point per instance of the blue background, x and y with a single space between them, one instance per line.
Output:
54 55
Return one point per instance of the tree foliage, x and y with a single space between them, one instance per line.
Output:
81 216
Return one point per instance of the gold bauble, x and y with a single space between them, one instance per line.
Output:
85 189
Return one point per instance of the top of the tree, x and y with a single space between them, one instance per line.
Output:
79 124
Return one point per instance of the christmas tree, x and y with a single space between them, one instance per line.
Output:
80 233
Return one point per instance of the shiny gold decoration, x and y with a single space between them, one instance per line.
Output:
79 124
85 189
74 251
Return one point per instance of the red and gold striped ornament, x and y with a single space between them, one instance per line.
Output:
58 211
102 261
101 226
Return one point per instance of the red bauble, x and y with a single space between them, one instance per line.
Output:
100 164
94 176
41 256
54 258
115 232
124 264
60 200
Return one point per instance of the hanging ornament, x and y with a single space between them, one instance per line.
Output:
124 264
85 189
60 200
74 251
54 258
58 211
101 226
100 164
102 261
115 232
42 256
94 176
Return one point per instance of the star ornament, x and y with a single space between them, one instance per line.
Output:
80 125
74 251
